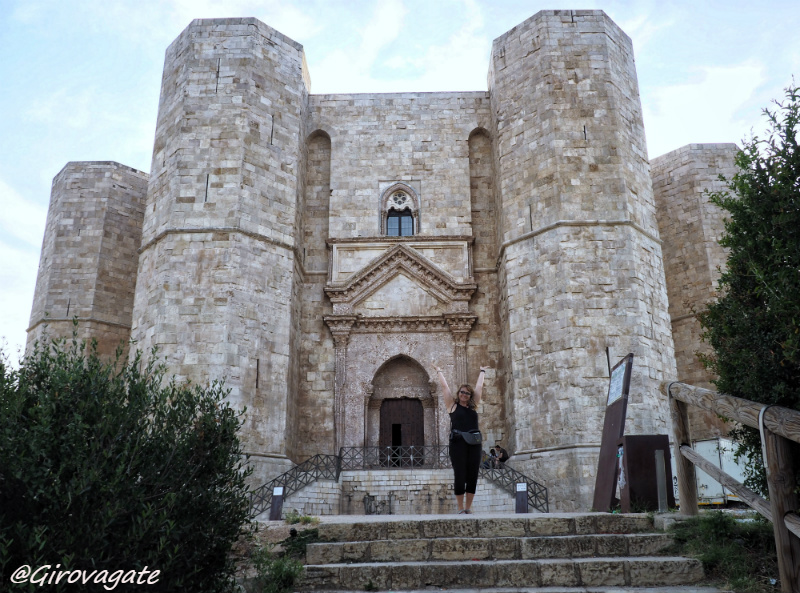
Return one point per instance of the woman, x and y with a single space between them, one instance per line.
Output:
466 459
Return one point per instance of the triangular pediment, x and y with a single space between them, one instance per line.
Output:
401 260
400 296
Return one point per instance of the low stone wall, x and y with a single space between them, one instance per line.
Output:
320 498
399 492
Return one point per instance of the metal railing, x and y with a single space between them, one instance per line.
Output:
383 458
778 427
311 470
365 458
411 457
508 478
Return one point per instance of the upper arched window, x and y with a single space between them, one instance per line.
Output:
400 212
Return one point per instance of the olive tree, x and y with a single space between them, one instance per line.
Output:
108 466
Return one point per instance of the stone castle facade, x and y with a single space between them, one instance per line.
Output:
323 253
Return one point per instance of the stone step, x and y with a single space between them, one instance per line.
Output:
483 548
469 526
581 572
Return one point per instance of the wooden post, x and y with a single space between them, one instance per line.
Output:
687 481
780 479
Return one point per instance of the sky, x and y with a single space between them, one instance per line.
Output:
80 80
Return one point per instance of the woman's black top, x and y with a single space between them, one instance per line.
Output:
463 418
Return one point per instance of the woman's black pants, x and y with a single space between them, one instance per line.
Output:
466 460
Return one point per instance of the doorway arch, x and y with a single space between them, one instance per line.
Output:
400 407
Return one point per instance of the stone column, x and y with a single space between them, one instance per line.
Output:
372 418
340 326
459 326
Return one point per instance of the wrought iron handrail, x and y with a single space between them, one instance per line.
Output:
367 458
408 457
301 475
508 478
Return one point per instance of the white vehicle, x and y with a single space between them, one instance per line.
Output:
718 451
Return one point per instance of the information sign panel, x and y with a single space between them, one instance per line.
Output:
613 429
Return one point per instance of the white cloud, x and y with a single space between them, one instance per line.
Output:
457 59
66 107
18 268
347 69
152 26
709 109
382 29
643 28
21 230
29 12
462 63
21 219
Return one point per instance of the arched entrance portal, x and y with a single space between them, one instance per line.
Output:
401 416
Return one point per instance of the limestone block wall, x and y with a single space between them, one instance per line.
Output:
412 492
581 263
691 227
422 140
314 396
217 273
89 254
323 497
484 347
419 138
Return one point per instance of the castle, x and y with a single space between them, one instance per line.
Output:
323 253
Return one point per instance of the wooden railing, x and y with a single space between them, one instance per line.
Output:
778 426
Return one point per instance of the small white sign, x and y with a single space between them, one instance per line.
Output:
522 487
277 491
615 385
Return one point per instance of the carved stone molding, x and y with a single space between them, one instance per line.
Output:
436 281
444 321
340 326
460 323
397 324
460 326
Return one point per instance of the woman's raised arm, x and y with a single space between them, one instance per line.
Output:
447 396
479 386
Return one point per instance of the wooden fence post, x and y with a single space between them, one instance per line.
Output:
777 453
687 482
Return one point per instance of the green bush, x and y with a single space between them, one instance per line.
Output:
293 517
275 573
738 554
107 466
295 546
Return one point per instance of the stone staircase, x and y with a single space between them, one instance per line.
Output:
536 552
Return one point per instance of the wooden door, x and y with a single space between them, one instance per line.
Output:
402 431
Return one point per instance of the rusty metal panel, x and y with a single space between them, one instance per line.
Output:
637 478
